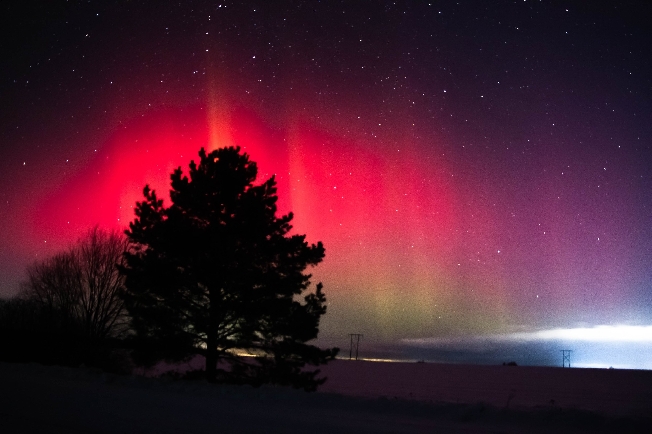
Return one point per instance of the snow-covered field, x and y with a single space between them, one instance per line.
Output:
609 391
359 397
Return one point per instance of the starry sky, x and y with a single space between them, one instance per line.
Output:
474 169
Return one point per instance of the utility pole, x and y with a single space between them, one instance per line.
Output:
355 342
565 358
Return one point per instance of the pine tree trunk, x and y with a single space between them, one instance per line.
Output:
211 356
211 340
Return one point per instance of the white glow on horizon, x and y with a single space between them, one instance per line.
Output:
601 333
598 365
601 346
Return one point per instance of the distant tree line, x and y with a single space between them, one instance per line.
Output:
70 309
215 274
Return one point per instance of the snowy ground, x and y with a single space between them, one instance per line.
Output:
609 391
359 397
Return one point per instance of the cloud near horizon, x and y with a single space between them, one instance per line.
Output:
598 333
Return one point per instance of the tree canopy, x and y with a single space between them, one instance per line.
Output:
218 273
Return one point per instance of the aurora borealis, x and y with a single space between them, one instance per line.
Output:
472 168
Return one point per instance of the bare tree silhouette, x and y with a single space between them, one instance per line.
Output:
81 287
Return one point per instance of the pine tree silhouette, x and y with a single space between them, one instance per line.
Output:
217 273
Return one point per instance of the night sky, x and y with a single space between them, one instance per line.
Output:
475 169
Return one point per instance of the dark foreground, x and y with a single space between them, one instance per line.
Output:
40 399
